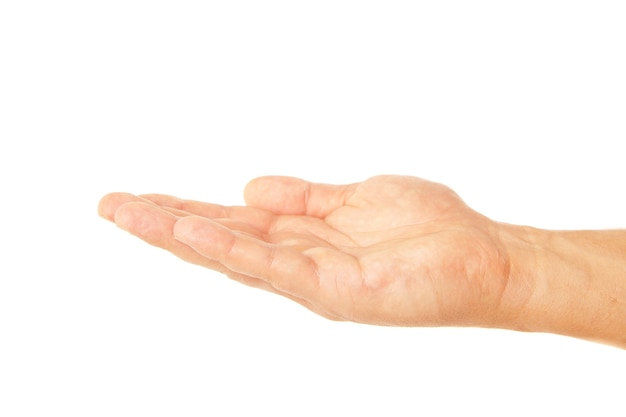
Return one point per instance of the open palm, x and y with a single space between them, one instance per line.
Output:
391 250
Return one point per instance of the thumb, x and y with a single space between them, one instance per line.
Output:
288 195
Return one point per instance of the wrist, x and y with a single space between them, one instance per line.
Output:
570 283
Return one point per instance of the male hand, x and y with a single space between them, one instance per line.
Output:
391 250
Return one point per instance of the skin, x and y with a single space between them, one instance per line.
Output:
394 250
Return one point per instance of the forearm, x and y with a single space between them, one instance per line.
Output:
575 282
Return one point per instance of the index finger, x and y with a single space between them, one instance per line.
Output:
255 217
283 267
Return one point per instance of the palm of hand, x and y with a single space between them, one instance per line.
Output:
391 250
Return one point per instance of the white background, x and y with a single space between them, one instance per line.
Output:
518 106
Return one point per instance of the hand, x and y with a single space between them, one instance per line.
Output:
391 250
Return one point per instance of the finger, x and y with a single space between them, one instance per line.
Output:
229 223
255 217
196 207
284 268
287 195
155 226
109 204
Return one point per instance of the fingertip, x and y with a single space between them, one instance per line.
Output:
251 190
108 205
146 221
183 228
275 192
128 216
209 238
190 228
